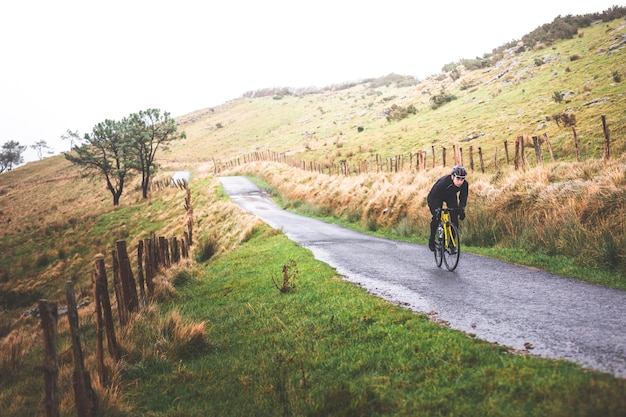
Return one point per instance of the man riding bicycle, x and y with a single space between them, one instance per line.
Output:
447 188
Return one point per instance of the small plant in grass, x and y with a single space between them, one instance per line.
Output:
206 249
42 260
371 224
404 228
290 275
181 277
617 76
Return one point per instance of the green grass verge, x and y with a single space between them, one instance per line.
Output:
328 348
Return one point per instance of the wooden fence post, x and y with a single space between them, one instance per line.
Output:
102 373
129 287
103 306
162 254
434 155
547 139
480 157
189 208
607 141
189 231
119 292
149 272
495 158
516 158
183 248
49 316
523 153
154 254
140 276
84 395
471 157
506 152
537 147
175 252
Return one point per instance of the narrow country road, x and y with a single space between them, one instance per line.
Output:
497 301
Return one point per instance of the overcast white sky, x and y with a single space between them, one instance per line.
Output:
70 64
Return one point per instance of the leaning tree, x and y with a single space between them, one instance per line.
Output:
107 152
150 130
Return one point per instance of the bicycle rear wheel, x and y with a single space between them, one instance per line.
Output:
452 251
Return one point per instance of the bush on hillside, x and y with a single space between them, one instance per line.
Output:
396 112
440 99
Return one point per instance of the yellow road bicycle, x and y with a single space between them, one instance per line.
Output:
447 241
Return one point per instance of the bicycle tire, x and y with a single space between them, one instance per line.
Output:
438 251
449 258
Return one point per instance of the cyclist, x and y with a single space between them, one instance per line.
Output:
453 190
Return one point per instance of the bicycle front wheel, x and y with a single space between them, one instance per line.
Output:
438 251
451 248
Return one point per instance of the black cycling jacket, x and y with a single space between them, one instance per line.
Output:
445 190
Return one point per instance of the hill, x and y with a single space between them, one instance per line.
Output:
530 90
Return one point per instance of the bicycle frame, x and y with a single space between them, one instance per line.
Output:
448 236
448 243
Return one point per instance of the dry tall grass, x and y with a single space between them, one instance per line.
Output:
572 209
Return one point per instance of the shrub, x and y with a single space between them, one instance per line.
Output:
396 112
440 99
568 119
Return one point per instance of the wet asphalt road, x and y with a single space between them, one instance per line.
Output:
497 301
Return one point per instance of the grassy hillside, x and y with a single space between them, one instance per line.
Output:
55 221
493 105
